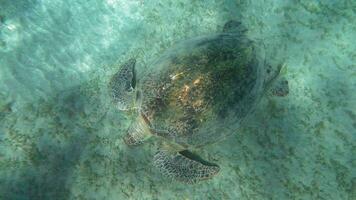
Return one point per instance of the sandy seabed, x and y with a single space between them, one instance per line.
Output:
60 137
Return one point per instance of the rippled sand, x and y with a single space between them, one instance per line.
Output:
60 137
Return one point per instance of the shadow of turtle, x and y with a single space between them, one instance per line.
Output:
58 133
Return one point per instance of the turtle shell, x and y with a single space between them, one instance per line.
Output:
199 91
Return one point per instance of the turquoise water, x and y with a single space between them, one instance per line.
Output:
60 137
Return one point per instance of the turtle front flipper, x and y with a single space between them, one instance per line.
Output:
184 166
122 86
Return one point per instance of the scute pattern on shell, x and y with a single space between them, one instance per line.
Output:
199 82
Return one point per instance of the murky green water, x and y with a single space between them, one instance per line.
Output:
61 138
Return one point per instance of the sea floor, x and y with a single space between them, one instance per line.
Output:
61 138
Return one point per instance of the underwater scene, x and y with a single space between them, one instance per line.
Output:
178 99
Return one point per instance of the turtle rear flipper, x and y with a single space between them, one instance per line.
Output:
278 83
234 26
280 87
184 166
122 86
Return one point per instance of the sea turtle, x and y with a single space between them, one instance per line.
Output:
196 93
